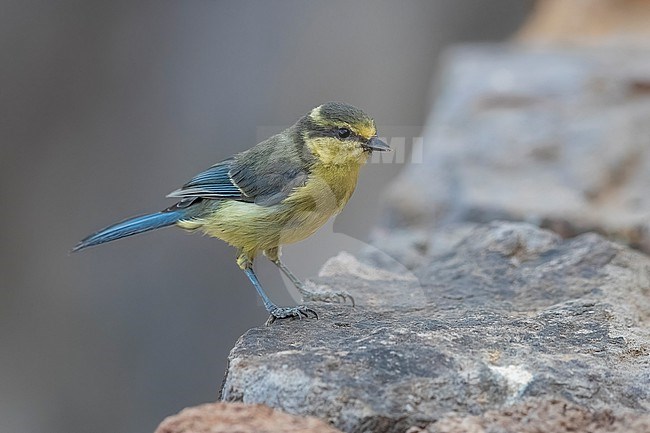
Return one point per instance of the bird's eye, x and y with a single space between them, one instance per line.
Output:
343 133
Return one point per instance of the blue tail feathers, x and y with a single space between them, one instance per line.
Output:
131 226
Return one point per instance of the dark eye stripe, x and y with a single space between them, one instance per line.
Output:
334 132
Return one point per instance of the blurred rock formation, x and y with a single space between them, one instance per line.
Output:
557 137
589 22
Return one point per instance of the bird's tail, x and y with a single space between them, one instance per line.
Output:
131 226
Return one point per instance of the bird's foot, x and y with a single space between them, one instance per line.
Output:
336 296
298 312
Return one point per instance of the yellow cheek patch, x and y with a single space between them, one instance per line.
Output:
332 151
326 149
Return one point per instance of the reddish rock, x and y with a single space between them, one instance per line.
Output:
240 418
589 22
538 416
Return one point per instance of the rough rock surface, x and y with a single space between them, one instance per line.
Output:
240 418
542 416
558 138
481 318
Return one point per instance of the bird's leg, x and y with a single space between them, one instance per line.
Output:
298 312
273 255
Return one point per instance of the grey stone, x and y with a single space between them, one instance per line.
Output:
494 316
556 137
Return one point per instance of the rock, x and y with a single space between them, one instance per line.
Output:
239 418
556 137
494 316
536 416
589 22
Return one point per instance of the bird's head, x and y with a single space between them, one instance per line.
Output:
339 133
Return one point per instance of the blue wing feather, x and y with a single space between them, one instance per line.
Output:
215 183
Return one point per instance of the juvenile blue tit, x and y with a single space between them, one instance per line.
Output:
278 192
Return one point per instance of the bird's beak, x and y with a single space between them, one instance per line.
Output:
376 144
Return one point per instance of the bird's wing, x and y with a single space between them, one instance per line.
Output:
234 179
270 183
215 183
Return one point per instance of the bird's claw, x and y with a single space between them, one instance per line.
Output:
298 312
338 297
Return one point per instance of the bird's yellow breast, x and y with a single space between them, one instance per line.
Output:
253 228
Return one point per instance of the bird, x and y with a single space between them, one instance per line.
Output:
278 192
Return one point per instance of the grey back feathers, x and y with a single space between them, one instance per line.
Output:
271 170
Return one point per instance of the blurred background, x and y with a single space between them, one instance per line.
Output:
108 106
